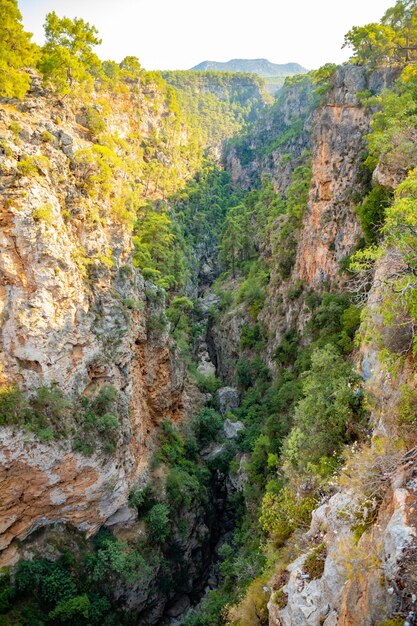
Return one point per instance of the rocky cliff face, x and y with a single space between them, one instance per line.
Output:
75 314
362 540
330 229
356 564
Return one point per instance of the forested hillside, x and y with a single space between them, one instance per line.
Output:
207 337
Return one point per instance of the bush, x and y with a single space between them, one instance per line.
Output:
13 405
207 383
157 521
329 414
206 426
44 214
27 167
252 610
248 372
94 121
314 562
47 137
282 513
251 337
372 212
210 611
183 488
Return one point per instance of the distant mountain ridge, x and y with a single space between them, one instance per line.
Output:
261 67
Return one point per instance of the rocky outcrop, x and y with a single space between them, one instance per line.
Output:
76 315
330 228
361 582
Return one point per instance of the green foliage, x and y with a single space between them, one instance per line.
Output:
314 562
252 290
98 421
285 511
94 121
329 414
393 41
156 248
210 611
158 522
393 127
207 383
286 243
16 52
44 214
184 488
323 78
67 56
26 166
252 337
218 104
399 305
206 425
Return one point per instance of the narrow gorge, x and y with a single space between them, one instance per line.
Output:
208 395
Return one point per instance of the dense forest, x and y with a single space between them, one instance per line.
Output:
220 246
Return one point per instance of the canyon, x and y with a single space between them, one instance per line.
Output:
179 260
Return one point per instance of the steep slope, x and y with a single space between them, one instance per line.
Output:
76 316
208 390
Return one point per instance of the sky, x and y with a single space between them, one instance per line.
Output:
178 34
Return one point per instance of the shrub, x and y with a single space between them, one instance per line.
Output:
372 211
251 337
13 405
7 592
94 121
314 562
211 610
108 425
183 488
252 609
44 214
27 167
69 610
249 371
156 324
206 426
280 598
158 522
207 383
47 137
171 444
330 412
282 513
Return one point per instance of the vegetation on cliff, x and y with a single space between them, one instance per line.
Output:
303 414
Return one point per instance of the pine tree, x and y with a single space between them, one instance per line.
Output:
67 56
16 51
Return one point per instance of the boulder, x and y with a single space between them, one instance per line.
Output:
232 429
228 399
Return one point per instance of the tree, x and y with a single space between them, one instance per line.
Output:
131 68
158 522
327 415
237 236
16 52
67 56
179 307
391 42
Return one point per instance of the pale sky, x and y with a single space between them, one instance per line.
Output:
177 34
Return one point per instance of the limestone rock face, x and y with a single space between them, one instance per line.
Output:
358 581
75 314
331 229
